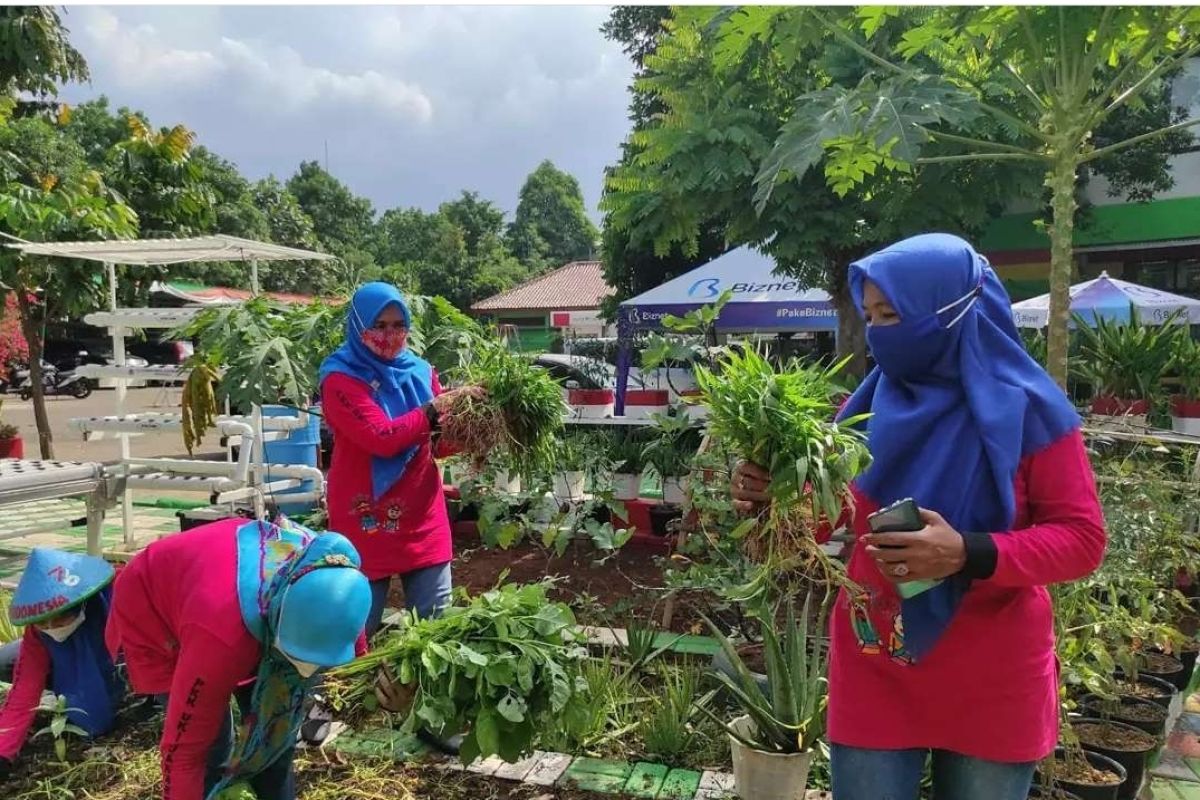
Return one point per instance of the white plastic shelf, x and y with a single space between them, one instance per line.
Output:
159 373
164 318
141 423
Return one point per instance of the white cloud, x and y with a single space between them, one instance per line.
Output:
250 70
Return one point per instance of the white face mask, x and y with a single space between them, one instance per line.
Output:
305 669
63 632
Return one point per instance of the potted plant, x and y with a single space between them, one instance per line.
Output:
11 443
1128 746
669 453
773 738
1185 368
628 464
1088 775
571 470
1125 363
590 395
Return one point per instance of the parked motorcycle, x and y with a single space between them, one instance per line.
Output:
56 381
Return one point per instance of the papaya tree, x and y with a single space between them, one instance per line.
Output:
1027 86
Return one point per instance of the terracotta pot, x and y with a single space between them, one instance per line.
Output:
13 447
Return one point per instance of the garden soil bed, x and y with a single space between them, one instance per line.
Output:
627 587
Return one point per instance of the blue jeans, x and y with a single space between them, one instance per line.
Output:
426 591
860 774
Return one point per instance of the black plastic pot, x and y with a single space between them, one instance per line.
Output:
1089 792
1134 761
468 512
1176 675
661 516
1188 657
1166 689
601 513
1042 793
1096 708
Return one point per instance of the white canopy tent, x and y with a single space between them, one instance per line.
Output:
161 252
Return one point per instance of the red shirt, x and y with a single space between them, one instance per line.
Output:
31 673
408 528
989 688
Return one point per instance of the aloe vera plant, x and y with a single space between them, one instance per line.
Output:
791 717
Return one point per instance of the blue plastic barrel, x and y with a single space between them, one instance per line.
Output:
300 447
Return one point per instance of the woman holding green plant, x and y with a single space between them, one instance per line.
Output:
62 600
966 424
383 404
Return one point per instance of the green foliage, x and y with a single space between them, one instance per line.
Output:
1126 361
627 451
672 444
502 668
522 397
792 718
60 727
241 790
667 731
1185 362
35 55
550 226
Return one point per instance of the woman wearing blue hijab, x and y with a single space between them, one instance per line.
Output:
382 403
963 421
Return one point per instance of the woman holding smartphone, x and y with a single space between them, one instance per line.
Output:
965 423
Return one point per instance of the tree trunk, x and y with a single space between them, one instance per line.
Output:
33 337
1061 182
852 333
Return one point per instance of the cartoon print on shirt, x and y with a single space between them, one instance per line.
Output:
392 524
896 642
362 507
860 619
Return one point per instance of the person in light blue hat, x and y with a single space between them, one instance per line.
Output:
62 600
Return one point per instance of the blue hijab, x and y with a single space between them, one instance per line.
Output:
400 385
955 401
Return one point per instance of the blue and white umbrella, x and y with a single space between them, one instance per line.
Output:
1114 300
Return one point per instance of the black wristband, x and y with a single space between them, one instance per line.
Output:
981 555
434 417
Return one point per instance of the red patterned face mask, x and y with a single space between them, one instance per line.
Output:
387 344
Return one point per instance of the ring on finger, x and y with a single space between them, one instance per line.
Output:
900 570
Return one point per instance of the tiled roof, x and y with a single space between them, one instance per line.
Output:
578 285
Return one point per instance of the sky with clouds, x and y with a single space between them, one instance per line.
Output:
415 103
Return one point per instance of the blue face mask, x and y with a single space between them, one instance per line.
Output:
911 348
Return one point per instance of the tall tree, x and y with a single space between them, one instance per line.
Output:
35 54
551 226
690 183
342 220
50 194
1024 86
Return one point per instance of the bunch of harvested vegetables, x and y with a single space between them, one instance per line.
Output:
501 668
783 420
521 413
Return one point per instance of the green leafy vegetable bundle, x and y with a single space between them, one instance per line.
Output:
501 668
522 413
783 421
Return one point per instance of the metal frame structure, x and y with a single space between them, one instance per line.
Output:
224 481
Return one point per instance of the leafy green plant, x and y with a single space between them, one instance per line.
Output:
689 339
60 726
791 719
501 667
599 715
1185 362
1126 362
672 444
1035 344
627 451
668 731
783 420
521 414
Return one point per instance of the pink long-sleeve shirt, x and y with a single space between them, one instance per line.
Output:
175 614
30 676
408 527
989 688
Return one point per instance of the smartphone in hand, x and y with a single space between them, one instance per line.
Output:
903 516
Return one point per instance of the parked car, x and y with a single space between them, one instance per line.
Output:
579 372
